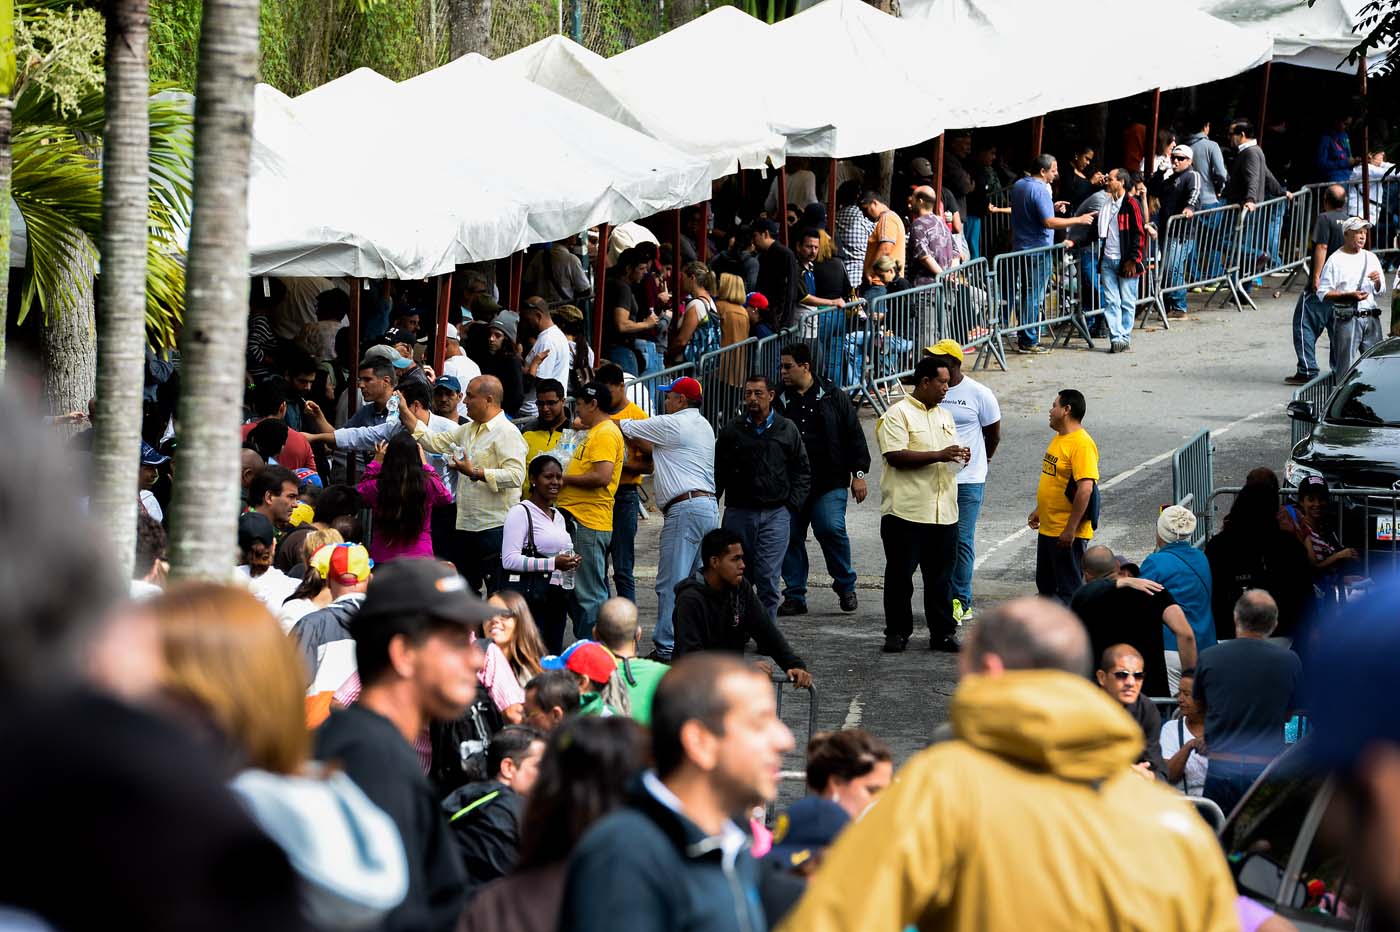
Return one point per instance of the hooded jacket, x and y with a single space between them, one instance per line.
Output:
485 821
725 619
1030 819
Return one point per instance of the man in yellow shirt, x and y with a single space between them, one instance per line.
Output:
550 431
1069 477
590 484
628 501
919 508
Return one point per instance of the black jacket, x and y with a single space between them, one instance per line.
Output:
828 278
725 619
485 821
1274 561
844 448
647 867
1177 192
780 281
1250 179
764 470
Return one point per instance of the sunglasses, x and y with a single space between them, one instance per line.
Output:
1180 158
1138 675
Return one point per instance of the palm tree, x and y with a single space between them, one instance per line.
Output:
205 504
121 327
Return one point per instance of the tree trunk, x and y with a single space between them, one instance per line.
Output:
68 342
121 328
683 11
205 503
7 109
469 22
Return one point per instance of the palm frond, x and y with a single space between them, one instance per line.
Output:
57 187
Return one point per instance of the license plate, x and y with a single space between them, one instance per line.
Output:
1385 528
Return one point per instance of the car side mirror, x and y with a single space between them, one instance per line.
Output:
1262 877
1303 411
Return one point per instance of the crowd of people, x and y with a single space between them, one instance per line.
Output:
424 700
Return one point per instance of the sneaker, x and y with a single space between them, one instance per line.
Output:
894 645
969 613
848 601
1035 349
1114 347
1177 315
957 611
946 645
1297 378
791 607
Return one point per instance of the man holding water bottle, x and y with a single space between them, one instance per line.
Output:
919 507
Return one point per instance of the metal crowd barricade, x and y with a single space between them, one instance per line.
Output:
1149 296
768 353
1318 391
1364 519
721 374
1200 250
641 390
996 226
1384 195
1193 480
836 336
1039 288
1273 237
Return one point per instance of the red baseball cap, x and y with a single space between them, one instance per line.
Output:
685 386
592 660
757 299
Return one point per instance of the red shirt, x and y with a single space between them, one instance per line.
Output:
296 454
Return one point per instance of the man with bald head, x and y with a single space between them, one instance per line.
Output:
1247 687
488 455
1037 752
250 463
1120 674
1116 608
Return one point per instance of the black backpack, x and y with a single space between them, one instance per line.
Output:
459 746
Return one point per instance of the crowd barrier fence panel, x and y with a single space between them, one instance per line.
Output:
1193 480
1318 391
996 226
641 389
1039 289
1273 237
1385 208
1200 250
721 374
836 336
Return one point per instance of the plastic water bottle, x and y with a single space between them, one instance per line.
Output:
566 577
393 406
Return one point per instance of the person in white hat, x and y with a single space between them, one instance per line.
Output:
1182 567
1179 191
1350 281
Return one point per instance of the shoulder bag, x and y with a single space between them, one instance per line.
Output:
532 586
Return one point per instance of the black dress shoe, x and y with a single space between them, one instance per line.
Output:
848 601
894 645
948 644
657 657
791 607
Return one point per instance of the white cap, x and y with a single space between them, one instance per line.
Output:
451 335
1183 151
1355 223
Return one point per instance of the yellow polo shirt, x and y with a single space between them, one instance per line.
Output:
593 508
630 412
1069 456
929 494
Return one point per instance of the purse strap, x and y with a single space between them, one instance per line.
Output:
530 532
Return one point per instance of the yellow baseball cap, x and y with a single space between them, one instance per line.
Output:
945 348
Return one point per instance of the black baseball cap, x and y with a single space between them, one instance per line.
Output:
422 586
1313 485
396 335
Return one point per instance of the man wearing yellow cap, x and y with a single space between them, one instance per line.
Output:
977 417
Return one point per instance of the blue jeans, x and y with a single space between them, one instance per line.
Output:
1209 253
1179 256
1030 276
826 515
1261 236
972 228
685 524
969 505
1228 781
1312 317
765 534
1119 302
622 549
591 577
624 356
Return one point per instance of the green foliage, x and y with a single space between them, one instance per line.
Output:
1379 23
770 11
59 52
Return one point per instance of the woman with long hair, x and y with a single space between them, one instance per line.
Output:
403 489
699 329
536 550
584 775
238 682
314 592
514 632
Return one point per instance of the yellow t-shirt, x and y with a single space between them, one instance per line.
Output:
593 508
630 412
1073 455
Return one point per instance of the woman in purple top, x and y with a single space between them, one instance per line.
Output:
403 490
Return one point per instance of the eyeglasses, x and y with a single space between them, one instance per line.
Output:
1138 675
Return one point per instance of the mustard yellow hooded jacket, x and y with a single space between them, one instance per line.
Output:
1030 819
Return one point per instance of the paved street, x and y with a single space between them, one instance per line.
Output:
1221 369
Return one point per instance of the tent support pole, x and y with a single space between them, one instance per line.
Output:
1037 136
938 175
831 198
353 351
1264 97
782 205
1149 151
1365 143
600 280
444 303
676 263
517 271
702 245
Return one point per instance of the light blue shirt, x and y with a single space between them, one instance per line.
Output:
1184 570
1031 205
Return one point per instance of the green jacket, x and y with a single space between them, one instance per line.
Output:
641 676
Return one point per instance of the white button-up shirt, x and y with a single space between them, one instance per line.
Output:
683 450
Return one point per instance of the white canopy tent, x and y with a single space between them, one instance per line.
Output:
1318 36
728 138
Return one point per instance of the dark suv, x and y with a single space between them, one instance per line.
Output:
1355 444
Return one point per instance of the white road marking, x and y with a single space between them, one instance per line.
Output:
853 714
1123 476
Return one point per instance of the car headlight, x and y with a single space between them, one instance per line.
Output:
1295 472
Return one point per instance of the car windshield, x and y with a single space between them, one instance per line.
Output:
1370 396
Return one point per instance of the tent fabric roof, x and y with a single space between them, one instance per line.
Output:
1318 36
727 138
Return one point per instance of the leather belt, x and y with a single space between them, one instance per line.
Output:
685 497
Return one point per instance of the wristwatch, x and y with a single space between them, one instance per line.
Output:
860 473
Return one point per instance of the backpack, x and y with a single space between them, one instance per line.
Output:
459 745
